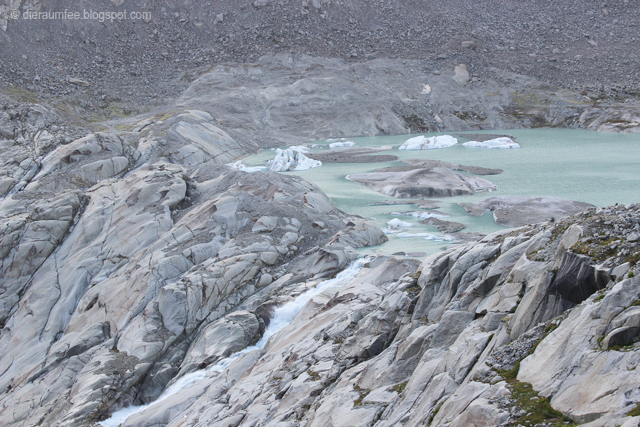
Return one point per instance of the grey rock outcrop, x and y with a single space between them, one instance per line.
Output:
421 182
516 211
399 344
119 277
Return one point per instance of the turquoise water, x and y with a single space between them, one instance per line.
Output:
597 168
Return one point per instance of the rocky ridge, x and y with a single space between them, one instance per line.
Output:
117 260
129 63
458 340
133 258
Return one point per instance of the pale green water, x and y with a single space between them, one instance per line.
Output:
598 168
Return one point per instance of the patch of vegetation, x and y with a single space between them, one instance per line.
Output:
22 95
523 99
599 297
399 388
538 409
313 375
631 274
635 412
510 374
413 290
416 275
435 412
550 327
470 116
339 340
627 347
598 251
424 320
416 123
558 230
362 392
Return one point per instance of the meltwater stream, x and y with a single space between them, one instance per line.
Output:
282 316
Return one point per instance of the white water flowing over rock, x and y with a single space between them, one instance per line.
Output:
291 160
424 143
282 316
502 142
342 144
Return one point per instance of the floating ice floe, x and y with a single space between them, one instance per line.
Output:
396 223
424 143
244 168
342 144
502 142
291 160
421 214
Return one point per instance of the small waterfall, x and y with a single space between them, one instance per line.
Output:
282 316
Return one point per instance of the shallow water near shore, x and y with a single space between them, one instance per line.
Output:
597 168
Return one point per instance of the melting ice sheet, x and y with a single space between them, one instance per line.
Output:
282 316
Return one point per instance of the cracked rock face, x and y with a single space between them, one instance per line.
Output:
402 342
120 275
128 264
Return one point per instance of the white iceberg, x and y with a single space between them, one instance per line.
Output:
244 168
396 223
424 143
290 160
342 144
502 142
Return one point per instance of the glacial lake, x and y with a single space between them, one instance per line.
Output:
597 168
